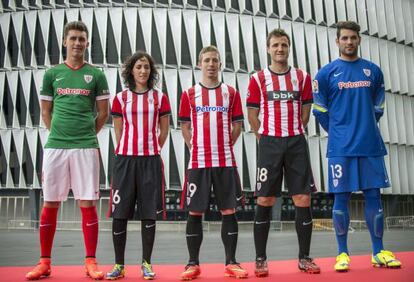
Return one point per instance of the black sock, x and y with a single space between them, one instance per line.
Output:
261 230
119 236
303 222
229 234
194 235
148 236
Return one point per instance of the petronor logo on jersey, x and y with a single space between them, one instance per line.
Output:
354 84
205 109
73 91
88 78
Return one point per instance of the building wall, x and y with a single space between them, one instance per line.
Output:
174 31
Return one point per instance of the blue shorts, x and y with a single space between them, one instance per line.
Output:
350 174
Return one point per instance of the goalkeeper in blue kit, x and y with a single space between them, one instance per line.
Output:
348 103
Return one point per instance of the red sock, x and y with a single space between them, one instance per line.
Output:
90 229
47 230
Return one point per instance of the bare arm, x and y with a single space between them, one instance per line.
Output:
306 109
235 133
47 107
164 129
253 116
187 134
102 114
118 128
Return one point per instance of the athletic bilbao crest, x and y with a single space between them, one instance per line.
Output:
295 82
225 95
150 100
87 78
367 72
335 182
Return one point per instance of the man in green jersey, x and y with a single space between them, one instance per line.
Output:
69 94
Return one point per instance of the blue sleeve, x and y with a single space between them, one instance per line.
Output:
379 96
320 100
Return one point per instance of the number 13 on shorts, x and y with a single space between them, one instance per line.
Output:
336 172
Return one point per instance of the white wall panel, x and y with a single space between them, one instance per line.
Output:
243 84
17 19
403 172
145 18
341 10
115 14
362 15
218 27
385 66
410 168
249 139
319 15
393 60
299 46
314 154
31 18
330 12
392 117
12 83
323 45
402 68
380 12
394 170
399 20
101 17
387 190
351 10
399 105
408 103
171 80
232 22
364 47
287 26
246 25
86 15
307 11
131 20
408 21
175 18
58 16
6 141
5 27
409 56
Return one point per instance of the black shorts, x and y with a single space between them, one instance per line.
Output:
288 156
137 181
226 187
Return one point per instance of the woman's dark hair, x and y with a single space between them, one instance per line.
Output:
129 64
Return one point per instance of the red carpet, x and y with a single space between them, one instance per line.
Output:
279 270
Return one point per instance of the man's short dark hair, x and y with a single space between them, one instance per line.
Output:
351 25
277 32
76 25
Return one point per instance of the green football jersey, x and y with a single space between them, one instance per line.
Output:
74 93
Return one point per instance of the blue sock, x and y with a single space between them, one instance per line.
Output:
374 217
340 217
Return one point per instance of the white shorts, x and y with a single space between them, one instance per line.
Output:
76 169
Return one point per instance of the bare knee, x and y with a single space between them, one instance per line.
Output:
302 200
266 201
51 204
228 211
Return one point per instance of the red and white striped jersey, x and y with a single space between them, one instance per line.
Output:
211 112
140 114
279 98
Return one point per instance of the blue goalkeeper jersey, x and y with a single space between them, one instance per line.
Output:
348 103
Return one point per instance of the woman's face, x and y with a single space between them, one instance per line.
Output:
141 72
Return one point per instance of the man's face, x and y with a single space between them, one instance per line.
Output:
279 49
76 43
348 43
210 65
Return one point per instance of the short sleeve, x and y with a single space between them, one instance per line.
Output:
165 108
116 107
185 109
237 111
46 92
253 94
102 89
307 97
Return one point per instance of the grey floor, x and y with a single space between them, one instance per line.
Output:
21 247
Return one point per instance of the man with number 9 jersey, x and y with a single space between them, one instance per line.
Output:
210 116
